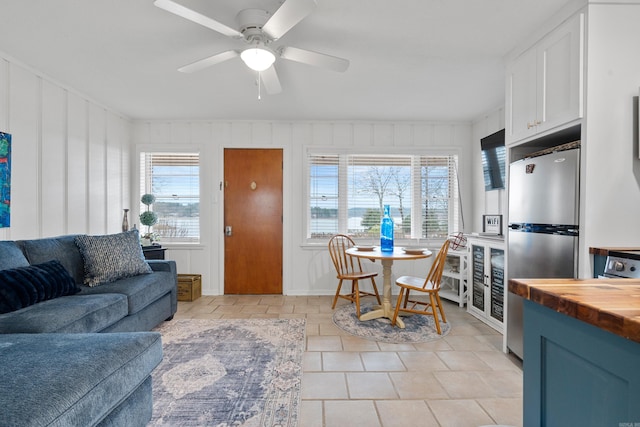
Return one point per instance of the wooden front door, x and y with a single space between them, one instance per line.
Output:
252 221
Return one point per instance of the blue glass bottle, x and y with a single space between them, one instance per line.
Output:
386 231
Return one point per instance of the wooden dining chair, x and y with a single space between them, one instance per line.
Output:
349 268
429 286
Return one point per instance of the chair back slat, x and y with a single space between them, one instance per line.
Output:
435 272
343 263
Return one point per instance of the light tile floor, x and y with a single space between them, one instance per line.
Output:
462 379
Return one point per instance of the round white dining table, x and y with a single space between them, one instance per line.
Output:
387 258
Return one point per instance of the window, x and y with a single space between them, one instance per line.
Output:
174 179
347 193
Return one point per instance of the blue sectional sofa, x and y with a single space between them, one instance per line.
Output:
77 379
75 316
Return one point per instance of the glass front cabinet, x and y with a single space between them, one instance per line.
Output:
486 275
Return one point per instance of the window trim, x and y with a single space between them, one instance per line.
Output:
368 150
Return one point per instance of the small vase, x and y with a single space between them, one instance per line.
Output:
125 220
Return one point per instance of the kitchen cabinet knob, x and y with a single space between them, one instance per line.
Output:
533 124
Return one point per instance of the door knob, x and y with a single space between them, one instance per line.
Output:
227 231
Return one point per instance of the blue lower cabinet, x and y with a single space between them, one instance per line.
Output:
576 374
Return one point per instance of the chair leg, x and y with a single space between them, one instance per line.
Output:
435 313
406 297
335 299
444 319
356 293
397 310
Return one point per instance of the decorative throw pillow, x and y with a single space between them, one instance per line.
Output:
11 256
24 286
111 257
61 248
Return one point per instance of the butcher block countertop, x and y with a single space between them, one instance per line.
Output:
605 251
609 304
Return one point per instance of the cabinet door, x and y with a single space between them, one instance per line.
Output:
496 304
544 88
478 278
559 64
521 99
487 286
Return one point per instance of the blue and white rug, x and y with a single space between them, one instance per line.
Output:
244 372
418 328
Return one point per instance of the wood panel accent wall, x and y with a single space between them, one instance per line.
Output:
70 157
306 269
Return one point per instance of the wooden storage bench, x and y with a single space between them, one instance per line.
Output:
189 287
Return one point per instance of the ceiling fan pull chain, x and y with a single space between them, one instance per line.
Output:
259 97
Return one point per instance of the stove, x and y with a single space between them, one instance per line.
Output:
623 264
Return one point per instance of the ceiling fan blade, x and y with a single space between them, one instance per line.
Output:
314 58
288 14
270 80
198 18
208 62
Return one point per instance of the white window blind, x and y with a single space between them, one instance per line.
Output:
323 196
347 193
440 208
174 179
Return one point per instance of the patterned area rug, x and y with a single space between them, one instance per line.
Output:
417 329
229 373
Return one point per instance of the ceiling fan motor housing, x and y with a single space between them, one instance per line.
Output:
250 22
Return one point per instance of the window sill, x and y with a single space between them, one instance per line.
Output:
431 244
182 246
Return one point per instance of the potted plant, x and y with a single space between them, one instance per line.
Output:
148 218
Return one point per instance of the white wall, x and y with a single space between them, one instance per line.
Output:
73 162
306 269
70 158
492 202
611 180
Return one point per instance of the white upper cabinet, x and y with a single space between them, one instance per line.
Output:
544 84
522 97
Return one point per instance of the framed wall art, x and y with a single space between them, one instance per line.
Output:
5 179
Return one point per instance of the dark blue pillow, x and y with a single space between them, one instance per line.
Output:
24 286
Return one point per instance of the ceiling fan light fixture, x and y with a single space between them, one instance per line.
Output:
258 58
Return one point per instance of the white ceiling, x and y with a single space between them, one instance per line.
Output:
410 59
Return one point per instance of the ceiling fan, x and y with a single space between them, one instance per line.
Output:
258 28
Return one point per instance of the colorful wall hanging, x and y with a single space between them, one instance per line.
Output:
5 179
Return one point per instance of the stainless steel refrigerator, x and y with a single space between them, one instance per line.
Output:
543 226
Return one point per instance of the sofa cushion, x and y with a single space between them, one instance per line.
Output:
72 314
140 290
11 256
72 379
111 257
137 410
24 286
62 248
